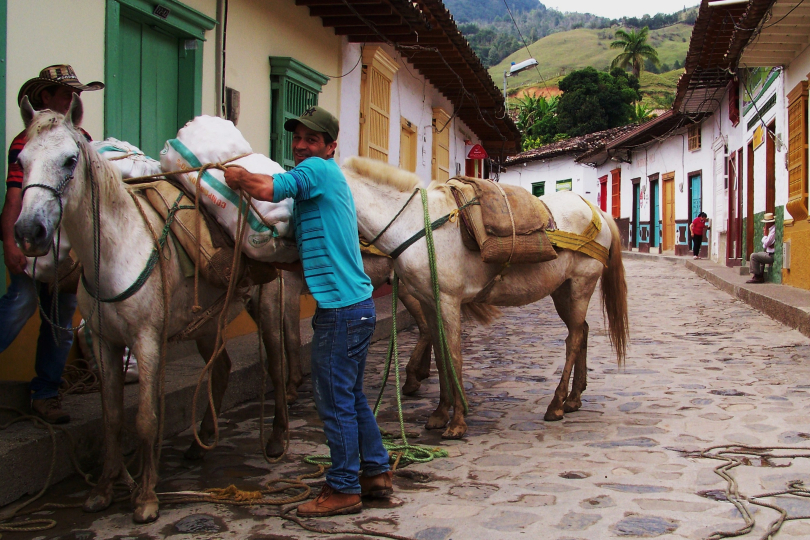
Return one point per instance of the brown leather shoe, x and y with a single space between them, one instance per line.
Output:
758 278
331 503
50 410
377 486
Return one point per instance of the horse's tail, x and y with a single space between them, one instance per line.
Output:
614 294
481 313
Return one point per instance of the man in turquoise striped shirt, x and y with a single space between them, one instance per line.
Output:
325 222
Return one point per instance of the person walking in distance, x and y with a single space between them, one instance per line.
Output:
698 229
326 233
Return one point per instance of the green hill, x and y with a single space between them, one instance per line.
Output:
563 52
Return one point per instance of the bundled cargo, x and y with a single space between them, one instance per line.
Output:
211 140
127 158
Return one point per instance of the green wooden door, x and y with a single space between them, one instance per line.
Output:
149 66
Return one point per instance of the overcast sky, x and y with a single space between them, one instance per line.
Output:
619 8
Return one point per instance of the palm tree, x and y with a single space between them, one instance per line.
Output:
635 50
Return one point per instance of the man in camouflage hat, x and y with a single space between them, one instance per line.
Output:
326 233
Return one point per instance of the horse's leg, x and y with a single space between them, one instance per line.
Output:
112 404
271 320
574 400
147 350
293 283
571 300
451 313
439 418
220 373
418 368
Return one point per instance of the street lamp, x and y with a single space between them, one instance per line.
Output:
514 69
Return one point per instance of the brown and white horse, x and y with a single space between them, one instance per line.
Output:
380 191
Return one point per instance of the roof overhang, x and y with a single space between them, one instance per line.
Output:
708 66
424 32
655 130
783 33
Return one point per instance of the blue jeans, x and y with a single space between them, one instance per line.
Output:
339 349
17 306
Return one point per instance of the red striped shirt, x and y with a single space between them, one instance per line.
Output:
15 172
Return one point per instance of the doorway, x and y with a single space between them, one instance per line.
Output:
749 203
770 168
668 208
655 217
603 193
636 212
734 238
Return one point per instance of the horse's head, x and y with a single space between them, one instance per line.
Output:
48 161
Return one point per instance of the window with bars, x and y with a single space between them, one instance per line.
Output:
538 189
294 87
441 145
694 137
797 203
375 102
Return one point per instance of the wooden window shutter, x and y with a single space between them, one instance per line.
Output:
375 102
615 192
441 145
797 151
294 87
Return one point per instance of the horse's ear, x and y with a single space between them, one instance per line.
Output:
27 112
76 111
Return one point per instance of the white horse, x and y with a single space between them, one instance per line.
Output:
67 182
380 191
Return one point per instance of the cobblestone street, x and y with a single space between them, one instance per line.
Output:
702 370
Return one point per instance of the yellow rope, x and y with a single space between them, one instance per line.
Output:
586 242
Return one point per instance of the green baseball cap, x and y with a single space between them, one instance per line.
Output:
317 119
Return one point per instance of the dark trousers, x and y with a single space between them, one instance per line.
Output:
697 241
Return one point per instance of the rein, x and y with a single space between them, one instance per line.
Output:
382 232
452 217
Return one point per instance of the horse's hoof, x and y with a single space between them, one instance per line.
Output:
454 432
195 452
553 416
436 422
572 406
99 499
410 388
274 447
146 512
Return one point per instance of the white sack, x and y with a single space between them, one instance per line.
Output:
209 139
134 165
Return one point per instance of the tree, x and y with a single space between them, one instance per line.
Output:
537 120
594 101
635 50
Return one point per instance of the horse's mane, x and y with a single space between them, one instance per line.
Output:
48 120
383 174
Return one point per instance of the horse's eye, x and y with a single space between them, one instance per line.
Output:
70 162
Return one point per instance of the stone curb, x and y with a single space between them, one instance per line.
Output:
787 305
25 451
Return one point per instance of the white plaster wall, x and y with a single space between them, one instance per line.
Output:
44 32
412 98
258 29
550 171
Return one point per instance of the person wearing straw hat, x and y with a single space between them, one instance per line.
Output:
326 233
762 258
54 90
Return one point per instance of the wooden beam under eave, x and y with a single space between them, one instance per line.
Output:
380 21
777 37
766 59
390 32
333 2
342 10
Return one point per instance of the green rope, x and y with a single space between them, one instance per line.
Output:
444 354
404 453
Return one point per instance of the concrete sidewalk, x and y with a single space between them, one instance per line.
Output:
787 305
25 451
